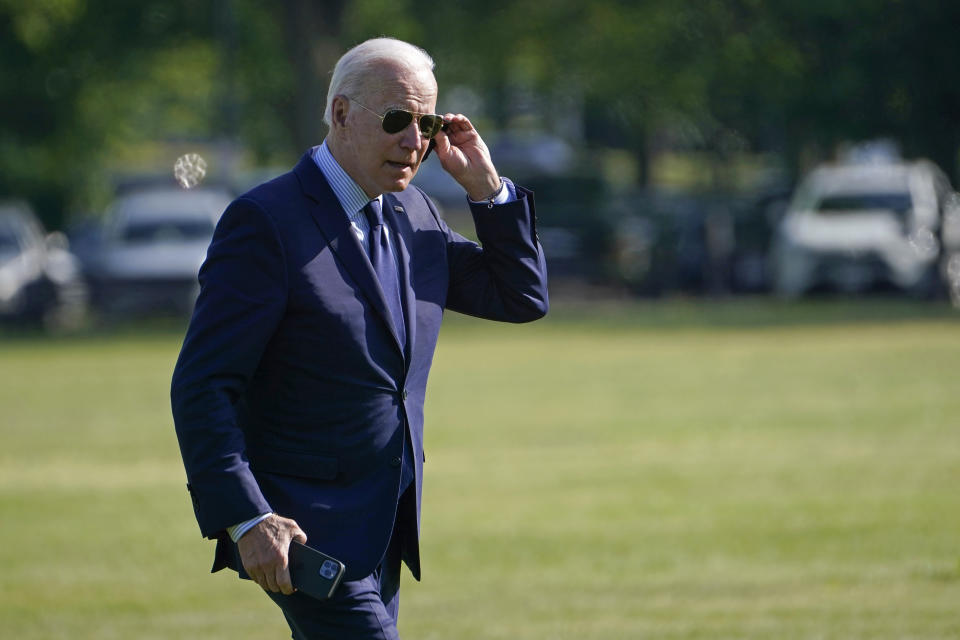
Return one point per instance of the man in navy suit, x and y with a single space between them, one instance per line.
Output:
298 395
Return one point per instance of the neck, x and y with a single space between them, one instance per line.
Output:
336 146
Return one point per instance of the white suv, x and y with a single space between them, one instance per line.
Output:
852 227
152 246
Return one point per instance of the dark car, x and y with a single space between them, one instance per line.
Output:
41 282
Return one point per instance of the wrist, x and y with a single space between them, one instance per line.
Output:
490 196
487 190
238 530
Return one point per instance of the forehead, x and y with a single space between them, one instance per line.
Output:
392 85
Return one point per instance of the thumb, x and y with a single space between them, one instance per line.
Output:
444 143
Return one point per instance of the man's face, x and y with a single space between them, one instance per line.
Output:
379 161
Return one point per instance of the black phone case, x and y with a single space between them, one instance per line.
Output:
313 572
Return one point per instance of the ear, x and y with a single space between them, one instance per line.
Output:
339 109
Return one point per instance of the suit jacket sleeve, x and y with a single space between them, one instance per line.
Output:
242 298
505 278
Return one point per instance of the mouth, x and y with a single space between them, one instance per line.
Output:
401 165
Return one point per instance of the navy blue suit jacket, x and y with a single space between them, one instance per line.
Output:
292 393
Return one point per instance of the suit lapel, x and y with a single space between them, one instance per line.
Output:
335 227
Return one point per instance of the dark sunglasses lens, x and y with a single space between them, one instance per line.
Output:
396 120
430 125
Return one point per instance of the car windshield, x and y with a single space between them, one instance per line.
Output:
847 202
167 231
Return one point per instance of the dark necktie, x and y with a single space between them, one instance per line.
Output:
385 265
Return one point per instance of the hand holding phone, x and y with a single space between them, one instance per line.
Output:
313 572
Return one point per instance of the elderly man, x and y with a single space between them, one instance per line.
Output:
298 395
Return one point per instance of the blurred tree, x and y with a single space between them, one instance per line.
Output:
87 87
872 69
312 44
88 84
80 78
641 70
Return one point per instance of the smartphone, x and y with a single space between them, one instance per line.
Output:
313 572
433 143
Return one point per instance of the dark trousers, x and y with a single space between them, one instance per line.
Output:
365 609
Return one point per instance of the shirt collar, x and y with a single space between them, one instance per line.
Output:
351 197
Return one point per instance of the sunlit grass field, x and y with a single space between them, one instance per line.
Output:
674 470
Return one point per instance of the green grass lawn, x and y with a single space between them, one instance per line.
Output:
681 470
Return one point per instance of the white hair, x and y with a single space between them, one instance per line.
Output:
352 69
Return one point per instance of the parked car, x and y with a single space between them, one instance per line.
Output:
150 249
950 252
667 242
40 280
851 228
574 224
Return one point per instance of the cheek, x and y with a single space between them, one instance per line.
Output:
369 153
381 151
366 143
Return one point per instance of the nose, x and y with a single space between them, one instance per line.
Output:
411 138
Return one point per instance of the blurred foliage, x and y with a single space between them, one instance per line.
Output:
86 86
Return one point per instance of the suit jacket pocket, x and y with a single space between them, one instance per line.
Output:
293 463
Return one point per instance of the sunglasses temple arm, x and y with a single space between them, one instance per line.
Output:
430 147
433 143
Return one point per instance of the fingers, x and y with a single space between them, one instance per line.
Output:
459 143
457 123
272 578
281 579
443 136
266 569
275 576
264 551
465 157
284 583
299 535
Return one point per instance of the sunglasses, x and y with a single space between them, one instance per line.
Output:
396 120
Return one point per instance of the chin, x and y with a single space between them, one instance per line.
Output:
397 185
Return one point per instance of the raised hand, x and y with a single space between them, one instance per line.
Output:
464 155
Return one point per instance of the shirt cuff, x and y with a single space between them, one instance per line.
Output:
507 193
236 531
